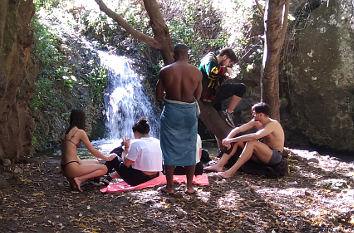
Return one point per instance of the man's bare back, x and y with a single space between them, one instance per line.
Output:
180 81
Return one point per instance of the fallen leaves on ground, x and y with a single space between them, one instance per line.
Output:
317 196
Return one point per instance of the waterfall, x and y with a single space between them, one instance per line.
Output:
125 98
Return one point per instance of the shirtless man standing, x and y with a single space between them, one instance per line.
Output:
268 150
180 87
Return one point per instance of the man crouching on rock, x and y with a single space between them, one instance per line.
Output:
265 145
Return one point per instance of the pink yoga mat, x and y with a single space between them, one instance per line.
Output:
160 180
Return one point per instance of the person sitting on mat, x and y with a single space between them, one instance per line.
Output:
77 170
141 160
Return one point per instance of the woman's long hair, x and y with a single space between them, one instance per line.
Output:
78 119
142 126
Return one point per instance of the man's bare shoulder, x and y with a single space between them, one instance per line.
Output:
274 121
163 69
194 70
273 124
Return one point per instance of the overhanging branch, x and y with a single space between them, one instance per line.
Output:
136 34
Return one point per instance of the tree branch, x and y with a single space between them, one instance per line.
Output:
136 34
260 8
285 22
160 30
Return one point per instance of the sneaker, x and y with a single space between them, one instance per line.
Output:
106 179
95 181
228 119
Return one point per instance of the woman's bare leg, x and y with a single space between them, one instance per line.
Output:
89 161
87 172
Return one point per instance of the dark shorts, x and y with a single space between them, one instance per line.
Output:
276 157
227 90
128 174
180 170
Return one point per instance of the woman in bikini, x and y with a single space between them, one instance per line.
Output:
77 170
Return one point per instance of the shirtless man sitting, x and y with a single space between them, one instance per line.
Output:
268 150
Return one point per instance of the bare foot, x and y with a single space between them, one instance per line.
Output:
214 167
190 191
73 185
78 183
165 190
225 174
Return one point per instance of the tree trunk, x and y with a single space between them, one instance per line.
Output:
275 28
18 73
212 120
160 29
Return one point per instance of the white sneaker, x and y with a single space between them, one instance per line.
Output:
228 118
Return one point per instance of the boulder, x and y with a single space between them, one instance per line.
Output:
319 72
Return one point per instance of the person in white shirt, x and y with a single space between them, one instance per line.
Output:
141 159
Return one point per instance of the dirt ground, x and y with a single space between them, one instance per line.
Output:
317 196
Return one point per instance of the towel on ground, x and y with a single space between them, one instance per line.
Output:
201 180
178 133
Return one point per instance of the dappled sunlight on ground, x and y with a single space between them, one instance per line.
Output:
317 196
231 200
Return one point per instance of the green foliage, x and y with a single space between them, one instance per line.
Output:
200 28
34 141
44 46
97 80
47 53
97 25
63 82
46 4
137 19
46 98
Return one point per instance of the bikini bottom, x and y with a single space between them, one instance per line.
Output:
64 165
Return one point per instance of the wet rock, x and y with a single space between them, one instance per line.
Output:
6 162
335 184
18 170
313 160
297 157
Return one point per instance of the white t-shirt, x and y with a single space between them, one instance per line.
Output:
199 147
146 154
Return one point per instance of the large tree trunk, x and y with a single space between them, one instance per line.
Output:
160 29
275 23
17 76
212 120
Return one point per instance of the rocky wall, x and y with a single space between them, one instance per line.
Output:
320 76
17 76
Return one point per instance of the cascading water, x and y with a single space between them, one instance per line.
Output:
125 98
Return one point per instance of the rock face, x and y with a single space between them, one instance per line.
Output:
17 76
320 76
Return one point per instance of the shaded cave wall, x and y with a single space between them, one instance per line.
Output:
318 76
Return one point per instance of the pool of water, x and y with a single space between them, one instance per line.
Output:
105 146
